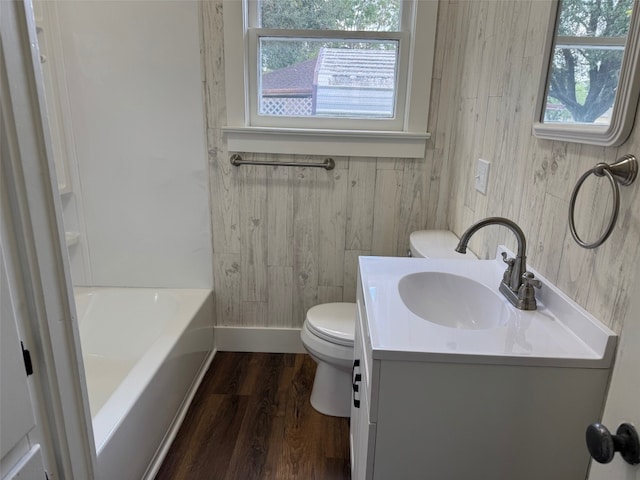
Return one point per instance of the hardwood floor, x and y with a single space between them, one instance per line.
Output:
251 419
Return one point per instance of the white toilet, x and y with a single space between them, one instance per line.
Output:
329 328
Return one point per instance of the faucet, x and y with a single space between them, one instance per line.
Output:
517 284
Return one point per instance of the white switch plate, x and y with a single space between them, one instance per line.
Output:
482 175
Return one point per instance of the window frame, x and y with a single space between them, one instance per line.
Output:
627 94
405 136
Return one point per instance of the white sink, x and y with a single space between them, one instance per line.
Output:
453 301
449 310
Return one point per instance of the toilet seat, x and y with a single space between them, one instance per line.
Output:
333 322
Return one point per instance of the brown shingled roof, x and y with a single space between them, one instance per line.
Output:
296 79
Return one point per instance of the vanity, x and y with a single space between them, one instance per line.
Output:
451 382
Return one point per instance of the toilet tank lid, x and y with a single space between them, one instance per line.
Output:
436 244
333 321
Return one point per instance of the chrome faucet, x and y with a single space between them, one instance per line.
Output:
517 284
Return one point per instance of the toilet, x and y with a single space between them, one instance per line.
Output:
329 328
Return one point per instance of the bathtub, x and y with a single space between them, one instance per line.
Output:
145 351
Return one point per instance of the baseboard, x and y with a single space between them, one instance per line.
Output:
258 339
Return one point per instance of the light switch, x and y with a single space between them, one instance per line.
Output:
482 175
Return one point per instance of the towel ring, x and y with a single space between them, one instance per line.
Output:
624 171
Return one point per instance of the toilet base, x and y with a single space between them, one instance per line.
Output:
331 393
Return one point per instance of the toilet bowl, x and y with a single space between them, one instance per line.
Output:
327 334
329 328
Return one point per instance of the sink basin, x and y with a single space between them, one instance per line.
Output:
453 301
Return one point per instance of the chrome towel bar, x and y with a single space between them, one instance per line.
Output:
328 164
623 171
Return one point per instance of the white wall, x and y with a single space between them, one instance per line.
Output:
134 82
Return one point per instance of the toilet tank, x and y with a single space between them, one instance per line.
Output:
436 244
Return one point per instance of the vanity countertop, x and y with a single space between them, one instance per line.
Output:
558 334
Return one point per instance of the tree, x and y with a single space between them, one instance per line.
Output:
583 79
347 15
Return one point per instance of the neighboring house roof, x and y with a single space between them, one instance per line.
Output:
356 68
296 79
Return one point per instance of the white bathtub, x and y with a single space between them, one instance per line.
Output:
145 351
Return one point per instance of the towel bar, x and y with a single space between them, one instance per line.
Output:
328 164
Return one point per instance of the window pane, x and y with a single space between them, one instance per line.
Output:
347 15
594 18
321 78
582 85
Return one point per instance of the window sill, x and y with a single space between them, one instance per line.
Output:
326 142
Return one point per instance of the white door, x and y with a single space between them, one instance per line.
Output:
19 447
623 401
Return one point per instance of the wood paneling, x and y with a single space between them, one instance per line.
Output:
280 296
280 216
305 240
362 184
253 234
332 224
386 207
226 278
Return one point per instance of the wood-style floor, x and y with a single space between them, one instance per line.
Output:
251 419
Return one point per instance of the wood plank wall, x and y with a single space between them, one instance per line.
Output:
285 239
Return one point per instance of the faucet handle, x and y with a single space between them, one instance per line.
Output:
526 293
527 279
507 260
506 278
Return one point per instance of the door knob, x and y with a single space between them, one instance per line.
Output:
602 444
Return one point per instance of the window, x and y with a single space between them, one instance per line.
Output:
589 92
329 77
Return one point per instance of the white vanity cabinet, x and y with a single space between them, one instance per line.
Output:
419 415
362 429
